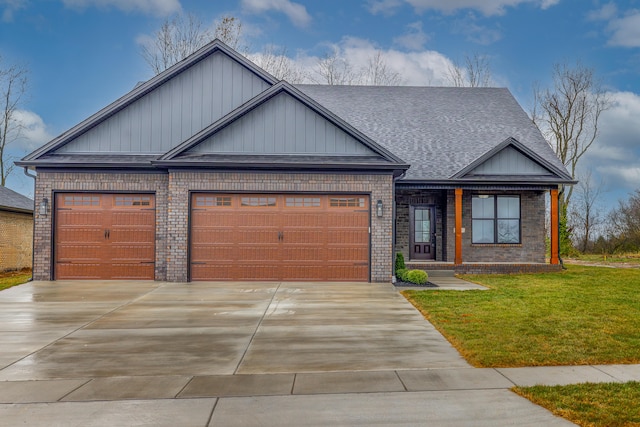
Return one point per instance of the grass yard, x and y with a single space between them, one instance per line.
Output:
13 278
584 315
594 405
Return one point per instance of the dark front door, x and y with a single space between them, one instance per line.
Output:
423 235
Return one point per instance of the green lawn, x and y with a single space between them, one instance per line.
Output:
14 278
585 315
594 405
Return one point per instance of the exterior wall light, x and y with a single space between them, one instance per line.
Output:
379 209
44 206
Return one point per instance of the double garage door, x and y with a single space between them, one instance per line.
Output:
279 237
232 237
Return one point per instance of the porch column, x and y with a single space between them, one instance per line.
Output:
458 205
555 235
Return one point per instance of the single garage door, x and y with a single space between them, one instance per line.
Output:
104 236
279 237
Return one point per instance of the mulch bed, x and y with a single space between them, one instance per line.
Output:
413 285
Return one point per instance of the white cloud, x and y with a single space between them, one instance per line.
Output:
605 13
625 31
486 7
151 7
414 38
297 13
418 68
33 131
614 155
384 7
10 7
474 32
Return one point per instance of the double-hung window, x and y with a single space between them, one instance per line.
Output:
495 219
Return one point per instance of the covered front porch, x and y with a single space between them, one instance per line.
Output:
477 229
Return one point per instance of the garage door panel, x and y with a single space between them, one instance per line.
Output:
279 237
87 271
79 253
120 271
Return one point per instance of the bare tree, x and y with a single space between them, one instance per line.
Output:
13 86
229 30
379 74
569 114
178 37
585 213
624 233
333 69
275 61
476 72
336 69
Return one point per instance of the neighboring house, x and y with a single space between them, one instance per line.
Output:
214 170
16 230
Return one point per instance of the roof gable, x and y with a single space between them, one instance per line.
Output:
509 160
159 114
12 201
281 121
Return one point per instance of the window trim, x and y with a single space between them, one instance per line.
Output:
496 218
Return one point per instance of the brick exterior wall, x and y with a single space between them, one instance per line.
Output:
531 249
172 208
47 183
16 240
181 183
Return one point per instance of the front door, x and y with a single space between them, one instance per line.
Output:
423 235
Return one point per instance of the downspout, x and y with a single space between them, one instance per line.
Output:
33 235
559 220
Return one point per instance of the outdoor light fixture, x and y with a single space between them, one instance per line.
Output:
44 204
379 208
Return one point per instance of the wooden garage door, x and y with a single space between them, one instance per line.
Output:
104 236
279 237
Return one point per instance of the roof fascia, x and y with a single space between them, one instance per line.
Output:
522 149
146 87
265 96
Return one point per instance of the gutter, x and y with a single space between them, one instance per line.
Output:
33 235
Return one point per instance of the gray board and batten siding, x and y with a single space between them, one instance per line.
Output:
282 125
163 118
509 161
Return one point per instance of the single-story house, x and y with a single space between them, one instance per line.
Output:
16 230
215 170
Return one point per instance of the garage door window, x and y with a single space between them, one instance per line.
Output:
348 202
81 201
303 202
133 201
213 201
258 201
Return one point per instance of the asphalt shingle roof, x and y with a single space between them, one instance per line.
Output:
10 200
437 130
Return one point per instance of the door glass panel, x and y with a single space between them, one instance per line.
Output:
422 225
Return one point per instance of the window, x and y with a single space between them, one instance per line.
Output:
258 201
81 200
346 202
213 200
305 202
133 201
495 219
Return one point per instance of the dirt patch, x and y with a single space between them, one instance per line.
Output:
13 273
627 264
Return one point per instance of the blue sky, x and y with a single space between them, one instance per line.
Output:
84 54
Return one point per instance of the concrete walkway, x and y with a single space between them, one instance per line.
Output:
247 354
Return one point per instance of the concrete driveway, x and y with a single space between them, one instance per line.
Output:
149 353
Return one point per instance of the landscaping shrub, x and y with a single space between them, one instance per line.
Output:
419 277
401 274
399 263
